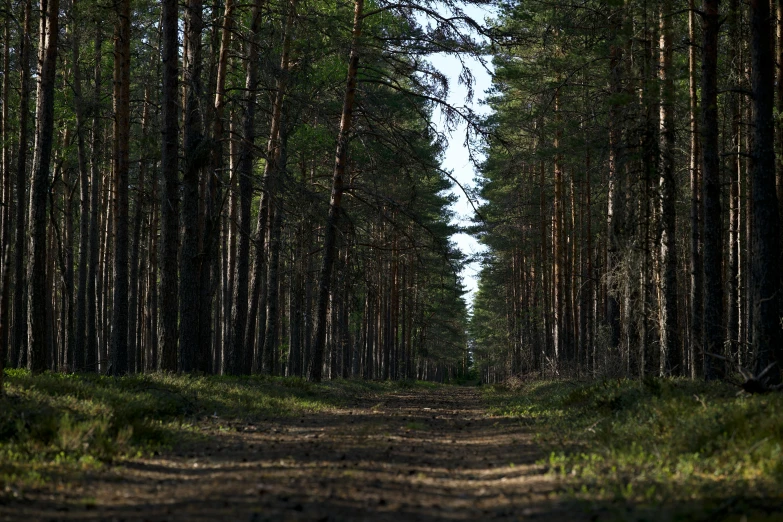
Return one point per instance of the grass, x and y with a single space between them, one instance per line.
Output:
655 441
55 424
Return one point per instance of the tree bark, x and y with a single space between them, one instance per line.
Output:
239 354
6 215
696 268
276 163
169 207
330 232
765 232
19 346
670 342
558 265
713 245
79 351
134 324
7 211
735 169
195 160
93 288
37 269
615 193
118 356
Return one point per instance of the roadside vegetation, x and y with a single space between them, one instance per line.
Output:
654 441
55 424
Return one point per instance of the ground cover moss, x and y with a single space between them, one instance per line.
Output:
654 440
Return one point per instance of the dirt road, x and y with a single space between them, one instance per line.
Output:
414 455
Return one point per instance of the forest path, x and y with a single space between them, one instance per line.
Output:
415 454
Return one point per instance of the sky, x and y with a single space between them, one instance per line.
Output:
456 158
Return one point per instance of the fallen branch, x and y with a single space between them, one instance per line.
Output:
753 384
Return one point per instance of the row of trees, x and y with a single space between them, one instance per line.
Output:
632 190
183 208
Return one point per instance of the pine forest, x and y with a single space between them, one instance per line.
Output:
226 217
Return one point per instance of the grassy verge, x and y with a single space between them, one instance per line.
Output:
55 424
654 441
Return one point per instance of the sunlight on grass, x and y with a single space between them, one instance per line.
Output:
654 440
68 423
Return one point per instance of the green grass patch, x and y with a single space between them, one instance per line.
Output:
55 424
655 440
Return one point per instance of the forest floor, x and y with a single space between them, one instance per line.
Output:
418 454
247 449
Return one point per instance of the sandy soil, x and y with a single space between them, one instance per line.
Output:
414 455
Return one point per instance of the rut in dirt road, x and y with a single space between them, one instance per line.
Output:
413 455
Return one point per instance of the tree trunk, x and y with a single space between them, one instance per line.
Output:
169 208
330 232
735 169
19 346
696 212
218 136
79 352
615 194
239 352
765 232
7 199
558 264
134 346
670 342
91 357
119 332
276 163
37 269
270 335
7 211
713 247
195 159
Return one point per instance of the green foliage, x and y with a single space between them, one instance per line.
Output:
655 440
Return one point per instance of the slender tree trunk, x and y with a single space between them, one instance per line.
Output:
615 193
7 211
37 269
196 157
695 259
218 136
779 99
258 298
276 164
765 232
670 342
545 279
104 302
330 233
713 248
91 356
134 346
152 359
119 354
735 169
558 264
169 208
19 355
79 351
66 261
8 203
271 327
239 353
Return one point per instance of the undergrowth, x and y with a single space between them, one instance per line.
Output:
55 424
655 440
